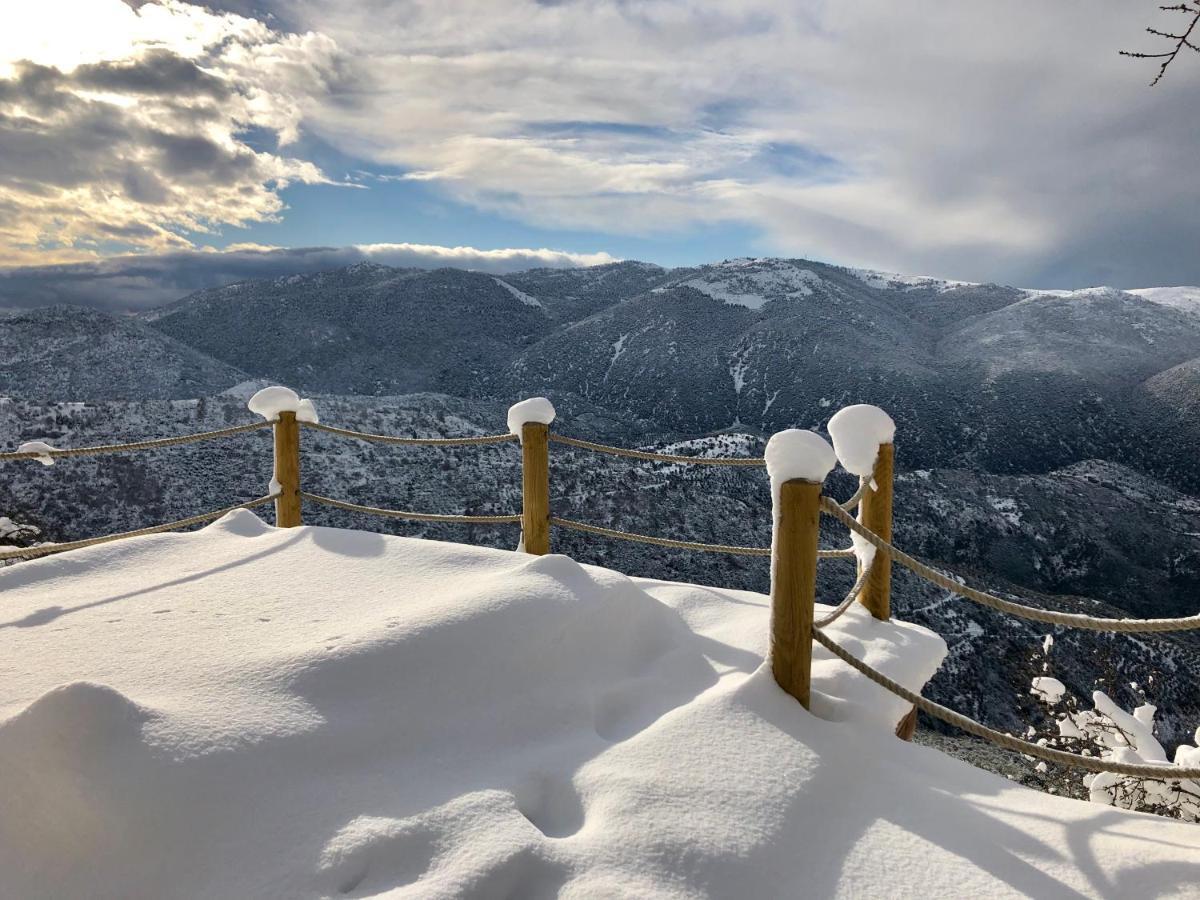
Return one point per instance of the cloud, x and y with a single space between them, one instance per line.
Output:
127 283
982 141
985 141
132 135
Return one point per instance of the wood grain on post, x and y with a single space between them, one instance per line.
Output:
794 586
535 488
287 470
877 516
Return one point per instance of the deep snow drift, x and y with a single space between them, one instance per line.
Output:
246 712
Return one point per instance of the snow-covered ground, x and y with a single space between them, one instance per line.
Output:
245 712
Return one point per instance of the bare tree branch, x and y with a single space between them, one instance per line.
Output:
1182 40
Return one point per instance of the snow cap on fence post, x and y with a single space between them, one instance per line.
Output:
530 421
797 462
858 432
797 454
535 409
271 401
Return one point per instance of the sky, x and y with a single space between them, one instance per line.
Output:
149 148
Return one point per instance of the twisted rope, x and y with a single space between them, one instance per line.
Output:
1049 617
404 514
851 596
412 442
573 525
47 549
658 457
1161 772
856 498
137 445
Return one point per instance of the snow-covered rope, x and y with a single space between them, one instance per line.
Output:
1049 617
410 441
851 596
1162 772
135 445
658 457
47 549
404 514
573 525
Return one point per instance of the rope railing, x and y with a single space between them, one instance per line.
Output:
465 441
414 516
48 549
135 445
1162 771
1046 616
794 551
657 457
573 525
864 573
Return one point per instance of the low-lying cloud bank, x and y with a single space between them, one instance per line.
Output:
141 282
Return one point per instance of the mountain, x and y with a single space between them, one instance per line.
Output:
81 354
366 329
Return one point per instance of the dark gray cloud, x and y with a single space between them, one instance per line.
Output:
128 283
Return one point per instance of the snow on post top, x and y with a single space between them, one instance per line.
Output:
39 447
271 401
535 409
794 454
857 432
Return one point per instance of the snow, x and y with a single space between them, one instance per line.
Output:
796 453
535 409
253 712
892 281
351 713
271 401
525 298
1184 298
857 433
1051 690
752 283
39 447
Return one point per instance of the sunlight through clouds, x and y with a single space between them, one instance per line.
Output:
122 129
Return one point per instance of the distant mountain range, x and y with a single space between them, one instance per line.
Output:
1046 440
978 376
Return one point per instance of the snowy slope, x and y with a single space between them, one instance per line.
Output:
246 712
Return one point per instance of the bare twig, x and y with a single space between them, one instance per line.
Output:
1182 40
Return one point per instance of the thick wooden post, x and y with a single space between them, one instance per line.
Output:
287 470
876 514
794 586
535 488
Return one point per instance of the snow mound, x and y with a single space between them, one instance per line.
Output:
535 409
271 401
251 712
857 432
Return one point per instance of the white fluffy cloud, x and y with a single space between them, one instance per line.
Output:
124 128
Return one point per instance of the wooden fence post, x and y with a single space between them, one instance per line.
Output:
877 516
794 585
287 470
535 488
